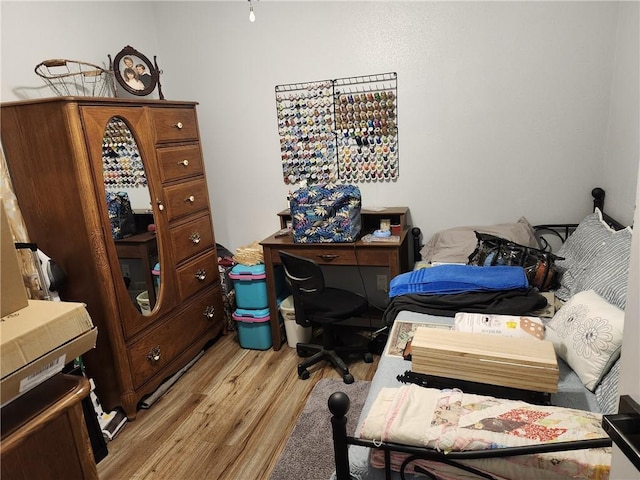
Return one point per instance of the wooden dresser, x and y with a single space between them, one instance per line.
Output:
55 150
44 433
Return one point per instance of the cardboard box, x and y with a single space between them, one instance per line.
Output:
505 325
525 363
37 342
13 294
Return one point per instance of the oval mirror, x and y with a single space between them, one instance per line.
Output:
130 214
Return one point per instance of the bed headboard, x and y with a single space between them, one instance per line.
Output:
550 236
598 195
553 235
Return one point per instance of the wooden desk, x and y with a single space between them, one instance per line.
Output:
142 246
44 433
393 255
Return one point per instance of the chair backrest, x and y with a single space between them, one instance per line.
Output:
305 279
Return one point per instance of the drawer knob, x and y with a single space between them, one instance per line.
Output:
184 162
160 205
190 199
179 125
154 354
328 257
201 274
209 312
195 238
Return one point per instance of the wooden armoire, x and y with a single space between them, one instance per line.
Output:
58 152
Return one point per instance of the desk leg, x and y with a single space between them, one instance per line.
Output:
276 335
398 260
394 265
149 278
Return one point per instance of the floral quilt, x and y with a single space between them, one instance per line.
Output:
450 420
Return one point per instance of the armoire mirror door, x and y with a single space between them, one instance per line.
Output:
133 223
131 214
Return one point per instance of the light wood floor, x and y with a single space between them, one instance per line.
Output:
227 418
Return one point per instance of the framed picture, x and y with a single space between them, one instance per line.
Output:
135 73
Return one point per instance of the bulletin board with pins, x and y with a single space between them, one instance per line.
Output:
344 129
122 165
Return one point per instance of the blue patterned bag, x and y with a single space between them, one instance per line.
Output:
120 215
326 213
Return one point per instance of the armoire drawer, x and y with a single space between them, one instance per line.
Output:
198 274
178 162
185 198
174 124
171 337
192 238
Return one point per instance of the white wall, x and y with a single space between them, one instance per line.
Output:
503 107
623 139
623 144
629 383
75 30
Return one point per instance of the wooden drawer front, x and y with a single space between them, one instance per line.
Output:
185 198
175 124
153 352
192 238
180 162
322 256
198 274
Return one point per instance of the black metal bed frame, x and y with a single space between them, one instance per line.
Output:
339 404
563 230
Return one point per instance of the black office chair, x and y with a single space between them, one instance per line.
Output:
325 307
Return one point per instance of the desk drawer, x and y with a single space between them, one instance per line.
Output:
323 256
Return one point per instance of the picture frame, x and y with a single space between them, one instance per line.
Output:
135 73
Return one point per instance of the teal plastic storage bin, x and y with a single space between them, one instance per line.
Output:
254 328
250 285
156 274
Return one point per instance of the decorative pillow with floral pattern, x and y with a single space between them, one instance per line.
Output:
587 334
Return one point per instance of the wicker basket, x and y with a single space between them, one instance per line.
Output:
74 78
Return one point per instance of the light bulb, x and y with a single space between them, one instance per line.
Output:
252 16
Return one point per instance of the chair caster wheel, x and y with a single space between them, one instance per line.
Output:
368 358
303 374
348 378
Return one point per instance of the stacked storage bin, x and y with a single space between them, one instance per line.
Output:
252 313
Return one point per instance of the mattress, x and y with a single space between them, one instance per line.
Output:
571 391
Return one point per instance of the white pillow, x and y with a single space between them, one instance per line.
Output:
587 334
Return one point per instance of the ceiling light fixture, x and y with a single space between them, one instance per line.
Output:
252 16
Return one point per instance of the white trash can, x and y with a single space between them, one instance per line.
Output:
143 302
295 333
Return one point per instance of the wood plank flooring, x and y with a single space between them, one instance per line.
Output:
227 418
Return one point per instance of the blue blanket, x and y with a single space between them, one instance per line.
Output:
456 278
